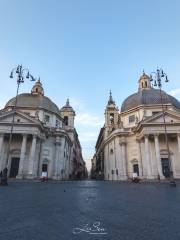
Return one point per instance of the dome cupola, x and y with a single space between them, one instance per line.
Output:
37 89
147 95
144 82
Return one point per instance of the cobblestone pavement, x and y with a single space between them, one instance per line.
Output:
62 210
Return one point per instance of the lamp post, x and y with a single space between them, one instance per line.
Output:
159 77
20 72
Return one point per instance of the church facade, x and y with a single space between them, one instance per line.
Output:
133 140
43 138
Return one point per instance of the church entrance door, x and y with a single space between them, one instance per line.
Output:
14 167
165 167
44 168
136 169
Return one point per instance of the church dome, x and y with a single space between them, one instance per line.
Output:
35 99
147 96
28 100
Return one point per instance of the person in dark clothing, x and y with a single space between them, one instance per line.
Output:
0 177
4 177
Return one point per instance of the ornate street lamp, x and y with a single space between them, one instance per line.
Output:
21 73
157 78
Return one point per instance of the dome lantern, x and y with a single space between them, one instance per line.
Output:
144 82
37 88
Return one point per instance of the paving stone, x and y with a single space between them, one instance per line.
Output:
53 210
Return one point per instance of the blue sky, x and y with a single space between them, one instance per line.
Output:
83 48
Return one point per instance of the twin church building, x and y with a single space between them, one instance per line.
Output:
133 139
43 139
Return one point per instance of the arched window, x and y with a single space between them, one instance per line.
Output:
36 89
111 118
66 120
145 84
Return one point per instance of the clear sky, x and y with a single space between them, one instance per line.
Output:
83 48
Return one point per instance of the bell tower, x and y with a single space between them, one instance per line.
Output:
111 116
68 114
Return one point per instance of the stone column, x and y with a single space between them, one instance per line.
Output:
147 157
1 148
22 156
140 158
59 158
178 138
32 158
118 159
124 163
158 157
57 170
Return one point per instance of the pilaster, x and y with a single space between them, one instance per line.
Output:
147 156
123 156
22 156
158 157
32 158
1 148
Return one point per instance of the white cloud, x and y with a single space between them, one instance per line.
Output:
74 102
175 92
88 137
87 119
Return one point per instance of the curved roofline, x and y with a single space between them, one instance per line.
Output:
10 103
148 97
149 106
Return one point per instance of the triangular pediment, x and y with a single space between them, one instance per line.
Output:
19 117
170 117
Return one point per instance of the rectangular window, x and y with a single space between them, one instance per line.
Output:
47 118
131 118
66 120
57 124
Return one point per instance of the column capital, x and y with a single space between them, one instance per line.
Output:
156 135
146 135
24 135
1 135
34 135
58 141
122 140
122 143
